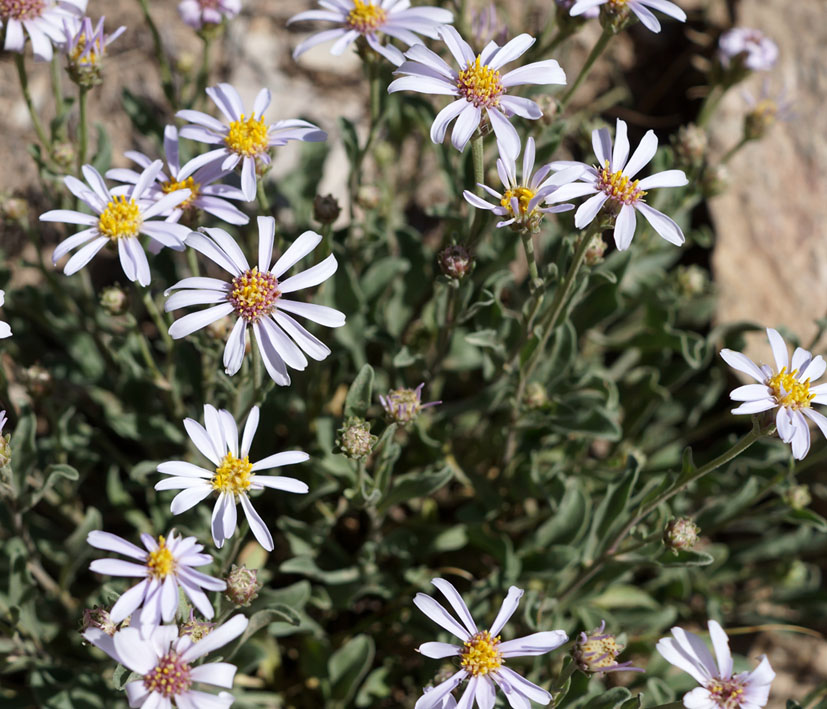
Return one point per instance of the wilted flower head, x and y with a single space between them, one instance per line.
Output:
455 261
744 48
403 405
355 439
681 534
98 618
765 111
597 652
242 585
44 22
85 49
5 329
197 13
194 628
326 209
719 687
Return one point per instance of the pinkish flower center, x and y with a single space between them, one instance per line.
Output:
480 84
366 17
209 4
170 677
21 9
726 693
254 294
618 186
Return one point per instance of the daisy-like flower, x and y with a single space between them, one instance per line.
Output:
482 654
719 688
43 21
5 329
368 18
212 198
255 295
787 387
85 47
246 139
596 652
477 86
165 662
765 111
612 183
521 203
232 476
751 48
118 219
197 13
166 564
639 7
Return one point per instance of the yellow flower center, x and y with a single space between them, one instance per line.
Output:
161 562
170 677
120 219
600 652
254 294
480 84
618 186
523 195
480 654
365 17
248 136
188 184
726 693
233 475
21 9
789 391
617 4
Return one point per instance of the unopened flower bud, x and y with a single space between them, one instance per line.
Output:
242 585
355 439
596 652
760 118
185 62
404 405
326 209
98 618
536 396
15 209
594 251
690 145
38 380
692 280
681 534
368 197
64 155
455 261
797 497
714 180
195 629
550 106
114 300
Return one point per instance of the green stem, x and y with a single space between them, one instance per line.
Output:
163 62
157 318
57 90
261 195
478 159
734 149
204 71
24 88
528 244
83 129
713 98
597 50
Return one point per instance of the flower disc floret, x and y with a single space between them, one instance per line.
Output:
618 186
233 475
21 9
481 654
254 293
121 218
480 84
161 562
248 136
170 677
789 391
726 693
188 183
366 17
523 196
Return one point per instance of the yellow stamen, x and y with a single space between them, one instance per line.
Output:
161 562
366 17
618 186
480 654
480 84
188 184
523 195
233 475
247 136
120 219
789 391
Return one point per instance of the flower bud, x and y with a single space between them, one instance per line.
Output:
38 381
195 629
594 251
596 652
536 396
114 300
455 261
714 180
404 405
681 534
98 618
15 209
692 280
242 585
64 155
760 118
797 497
690 145
368 197
85 49
355 440
326 209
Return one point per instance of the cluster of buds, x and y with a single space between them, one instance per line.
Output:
455 262
326 209
355 439
85 49
797 497
404 405
681 534
596 653
242 585
194 628
98 618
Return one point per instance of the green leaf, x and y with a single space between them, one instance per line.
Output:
685 558
418 484
360 393
348 666
609 699
808 517
624 596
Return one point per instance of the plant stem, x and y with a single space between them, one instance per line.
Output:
163 62
597 50
83 128
57 90
24 88
528 244
261 195
478 158
204 71
734 149
158 319
713 98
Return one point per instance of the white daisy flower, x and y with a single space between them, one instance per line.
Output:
612 181
639 7
787 387
753 48
246 139
367 18
43 20
255 295
478 86
212 198
5 329
197 13
118 219
232 477
719 688
521 202
482 654
165 565
165 662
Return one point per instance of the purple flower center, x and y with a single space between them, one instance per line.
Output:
254 294
170 677
618 186
21 9
726 693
